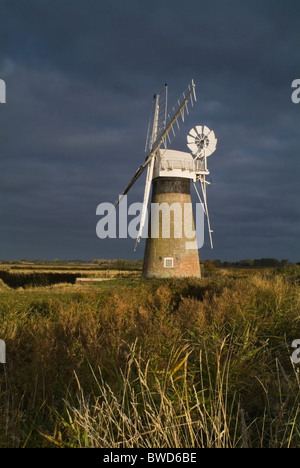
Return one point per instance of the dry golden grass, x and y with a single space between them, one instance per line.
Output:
136 363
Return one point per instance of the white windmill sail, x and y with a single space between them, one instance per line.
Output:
158 117
189 96
156 124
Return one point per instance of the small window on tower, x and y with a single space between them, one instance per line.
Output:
168 262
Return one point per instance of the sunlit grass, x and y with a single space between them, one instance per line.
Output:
138 363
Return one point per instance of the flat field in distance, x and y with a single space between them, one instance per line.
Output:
148 363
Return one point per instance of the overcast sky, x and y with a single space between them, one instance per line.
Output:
80 77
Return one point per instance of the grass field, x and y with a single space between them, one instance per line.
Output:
147 363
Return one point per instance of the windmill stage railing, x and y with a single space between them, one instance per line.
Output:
192 166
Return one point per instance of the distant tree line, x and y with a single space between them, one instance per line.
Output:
102 264
252 263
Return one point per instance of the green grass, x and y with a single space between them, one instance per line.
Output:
150 363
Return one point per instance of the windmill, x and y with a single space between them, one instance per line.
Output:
169 172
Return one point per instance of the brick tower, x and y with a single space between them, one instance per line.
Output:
171 247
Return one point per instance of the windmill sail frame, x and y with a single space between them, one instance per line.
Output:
188 96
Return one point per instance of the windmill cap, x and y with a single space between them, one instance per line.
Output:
172 163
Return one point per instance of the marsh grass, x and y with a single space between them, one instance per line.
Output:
136 363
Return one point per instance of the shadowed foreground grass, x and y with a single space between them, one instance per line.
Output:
135 363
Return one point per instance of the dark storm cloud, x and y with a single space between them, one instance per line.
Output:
80 77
